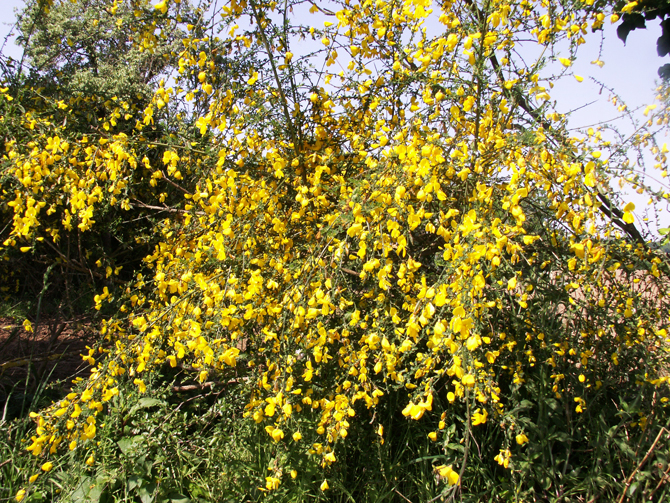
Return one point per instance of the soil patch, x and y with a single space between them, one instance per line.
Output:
39 366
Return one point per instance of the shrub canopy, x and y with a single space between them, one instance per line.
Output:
338 202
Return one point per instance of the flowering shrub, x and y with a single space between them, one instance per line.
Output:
375 204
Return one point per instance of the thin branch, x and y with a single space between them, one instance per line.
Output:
160 208
20 362
614 214
175 185
349 271
296 138
644 460
401 495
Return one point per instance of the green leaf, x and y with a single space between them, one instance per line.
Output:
35 497
146 403
178 498
146 492
456 447
88 491
125 444
133 482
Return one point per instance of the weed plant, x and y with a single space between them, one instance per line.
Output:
185 442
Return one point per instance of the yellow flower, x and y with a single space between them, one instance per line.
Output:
161 6
479 417
416 411
275 433
503 457
324 485
521 439
628 7
27 326
229 356
20 495
90 460
33 478
468 380
140 384
47 466
297 436
448 473
271 483
628 215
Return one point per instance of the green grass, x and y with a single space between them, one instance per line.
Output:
197 446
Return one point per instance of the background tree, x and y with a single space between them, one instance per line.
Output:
89 68
88 48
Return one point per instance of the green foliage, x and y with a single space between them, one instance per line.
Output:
193 446
635 16
91 48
